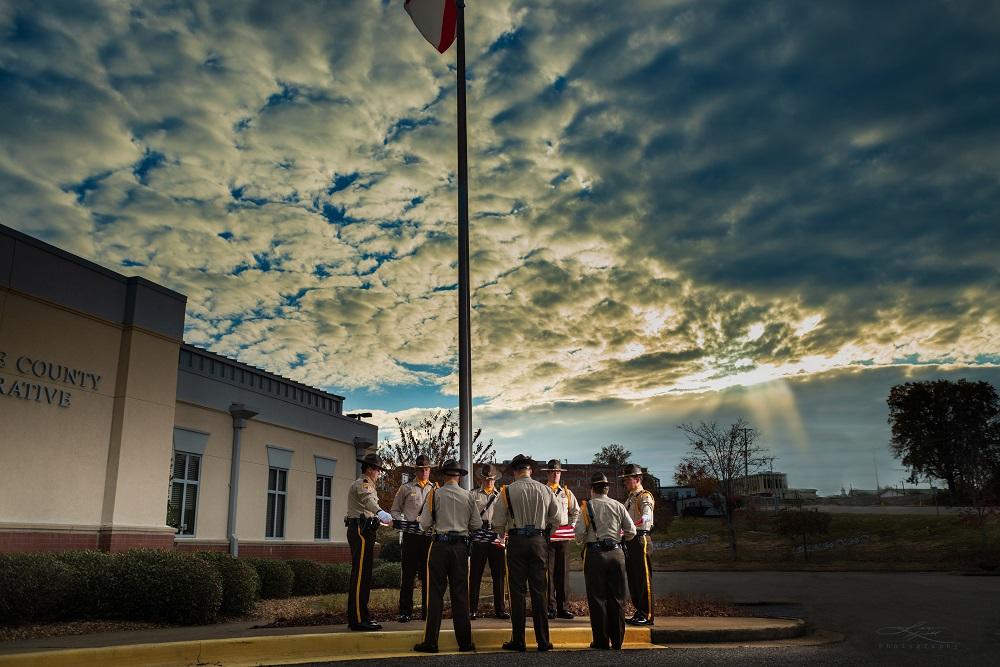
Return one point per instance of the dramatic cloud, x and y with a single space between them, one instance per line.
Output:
667 201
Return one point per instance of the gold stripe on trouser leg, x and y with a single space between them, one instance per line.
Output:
649 578
361 570
506 588
427 581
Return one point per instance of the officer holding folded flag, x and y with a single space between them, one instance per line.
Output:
639 504
487 497
605 525
528 513
406 506
452 514
558 552
362 521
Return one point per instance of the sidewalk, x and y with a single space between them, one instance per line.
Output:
237 644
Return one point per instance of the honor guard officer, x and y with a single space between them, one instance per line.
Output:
362 521
639 504
605 525
406 506
451 512
528 512
558 553
487 497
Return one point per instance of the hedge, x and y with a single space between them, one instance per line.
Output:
35 587
386 575
93 593
276 577
166 586
390 551
240 582
336 578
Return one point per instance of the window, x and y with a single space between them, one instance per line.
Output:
324 487
277 492
183 503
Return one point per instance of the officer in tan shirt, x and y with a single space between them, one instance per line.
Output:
603 528
362 521
487 497
557 560
528 513
451 512
638 563
406 506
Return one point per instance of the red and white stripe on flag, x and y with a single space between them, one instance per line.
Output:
562 533
435 19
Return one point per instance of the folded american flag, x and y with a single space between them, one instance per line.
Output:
409 526
562 534
486 535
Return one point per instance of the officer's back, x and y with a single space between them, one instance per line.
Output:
532 505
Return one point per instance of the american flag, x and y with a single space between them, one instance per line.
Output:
562 534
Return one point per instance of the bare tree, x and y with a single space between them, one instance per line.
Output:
436 436
725 456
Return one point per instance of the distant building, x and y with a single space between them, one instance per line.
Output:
576 476
763 483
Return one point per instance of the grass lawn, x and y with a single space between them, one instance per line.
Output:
872 542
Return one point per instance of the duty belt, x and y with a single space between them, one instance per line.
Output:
365 523
640 533
526 532
608 545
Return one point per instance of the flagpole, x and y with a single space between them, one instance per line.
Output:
464 308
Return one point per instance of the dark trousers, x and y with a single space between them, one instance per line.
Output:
448 567
526 558
483 553
640 570
558 567
604 572
362 543
414 555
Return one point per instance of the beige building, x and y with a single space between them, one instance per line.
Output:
115 434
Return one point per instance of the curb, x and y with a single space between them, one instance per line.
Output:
748 629
336 646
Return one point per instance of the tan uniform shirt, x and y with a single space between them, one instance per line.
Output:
450 509
640 502
483 499
533 504
569 507
611 521
410 498
362 500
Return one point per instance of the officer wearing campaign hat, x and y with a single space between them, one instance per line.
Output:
452 514
362 521
557 560
605 524
638 563
406 506
528 513
487 496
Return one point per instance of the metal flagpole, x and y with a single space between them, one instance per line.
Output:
464 309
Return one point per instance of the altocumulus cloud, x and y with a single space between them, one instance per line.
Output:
670 197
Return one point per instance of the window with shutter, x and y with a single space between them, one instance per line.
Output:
277 485
324 486
182 504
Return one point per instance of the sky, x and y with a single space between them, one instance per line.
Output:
680 210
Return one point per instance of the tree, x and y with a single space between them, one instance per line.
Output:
724 456
946 429
612 455
435 436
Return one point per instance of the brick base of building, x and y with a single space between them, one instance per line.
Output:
105 539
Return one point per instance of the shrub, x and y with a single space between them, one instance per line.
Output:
276 577
386 575
92 594
308 576
336 578
166 586
34 587
240 582
391 551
